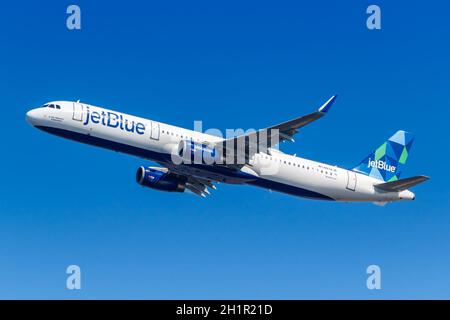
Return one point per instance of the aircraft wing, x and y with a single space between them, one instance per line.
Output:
199 186
247 145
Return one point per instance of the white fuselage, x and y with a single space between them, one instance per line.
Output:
157 141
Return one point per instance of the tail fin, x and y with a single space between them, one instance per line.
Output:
386 163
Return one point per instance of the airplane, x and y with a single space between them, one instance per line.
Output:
257 161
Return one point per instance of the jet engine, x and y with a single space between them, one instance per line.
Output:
198 153
160 179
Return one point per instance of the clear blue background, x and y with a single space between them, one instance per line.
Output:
233 64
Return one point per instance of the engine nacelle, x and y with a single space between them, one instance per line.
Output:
199 153
160 179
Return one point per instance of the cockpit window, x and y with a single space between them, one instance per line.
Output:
53 106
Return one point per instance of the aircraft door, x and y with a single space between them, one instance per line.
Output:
154 130
351 182
77 111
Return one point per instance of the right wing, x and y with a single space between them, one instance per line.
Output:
245 146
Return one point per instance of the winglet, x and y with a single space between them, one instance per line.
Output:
327 105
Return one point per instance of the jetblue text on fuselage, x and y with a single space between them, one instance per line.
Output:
113 120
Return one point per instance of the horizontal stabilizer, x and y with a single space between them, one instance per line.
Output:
402 184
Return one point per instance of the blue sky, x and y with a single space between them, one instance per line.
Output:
233 64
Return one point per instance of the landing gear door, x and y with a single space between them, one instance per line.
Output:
351 182
77 111
154 130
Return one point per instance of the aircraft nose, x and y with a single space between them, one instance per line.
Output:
32 116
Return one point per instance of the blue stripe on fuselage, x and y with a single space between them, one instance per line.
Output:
163 157
285 188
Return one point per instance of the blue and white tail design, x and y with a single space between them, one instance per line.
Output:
386 163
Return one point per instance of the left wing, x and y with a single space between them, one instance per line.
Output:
199 186
247 145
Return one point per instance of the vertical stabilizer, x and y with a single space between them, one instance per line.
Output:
387 161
